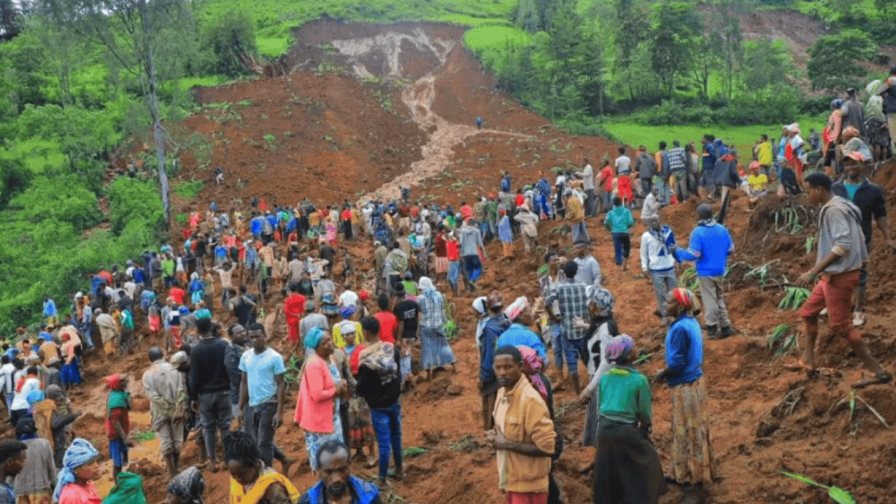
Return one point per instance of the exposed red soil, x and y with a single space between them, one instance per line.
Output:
753 438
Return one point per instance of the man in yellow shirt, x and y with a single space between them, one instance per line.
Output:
765 155
757 183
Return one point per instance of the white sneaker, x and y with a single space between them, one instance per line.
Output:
858 319
823 313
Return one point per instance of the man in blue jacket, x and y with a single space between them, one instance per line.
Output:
336 481
488 381
709 247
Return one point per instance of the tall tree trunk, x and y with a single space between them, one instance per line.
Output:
158 132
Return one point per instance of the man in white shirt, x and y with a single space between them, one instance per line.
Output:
587 175
657 261
623 163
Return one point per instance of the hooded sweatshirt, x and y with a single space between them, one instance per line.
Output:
840 231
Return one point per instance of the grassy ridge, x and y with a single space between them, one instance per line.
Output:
275 19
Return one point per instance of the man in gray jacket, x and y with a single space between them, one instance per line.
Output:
587 175
470 244
841 255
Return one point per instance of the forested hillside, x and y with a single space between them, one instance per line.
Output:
86 96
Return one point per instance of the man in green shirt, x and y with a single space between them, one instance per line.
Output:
619 221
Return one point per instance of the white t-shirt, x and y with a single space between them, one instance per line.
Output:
623 164
348 298
20 400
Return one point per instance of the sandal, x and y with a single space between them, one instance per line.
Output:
877 379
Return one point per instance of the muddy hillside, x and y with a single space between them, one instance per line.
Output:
366 109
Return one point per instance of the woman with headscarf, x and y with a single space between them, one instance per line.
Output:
186 488
519 314
626 467
603 329
435 352
35 481
79 469
482 317
251 481
691 457
317 404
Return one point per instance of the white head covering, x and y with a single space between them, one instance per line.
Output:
426 284
479 305
516 308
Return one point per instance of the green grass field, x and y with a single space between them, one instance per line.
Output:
742 137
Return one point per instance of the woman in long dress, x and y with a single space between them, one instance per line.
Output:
435 352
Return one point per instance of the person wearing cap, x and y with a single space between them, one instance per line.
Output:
167 405
34 484
840 257
117 422
657 261
494 326
869 197
603 322
13 457
626 465
524 436
691 459
709 247
347 325
571 296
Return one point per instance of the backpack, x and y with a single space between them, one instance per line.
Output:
646 164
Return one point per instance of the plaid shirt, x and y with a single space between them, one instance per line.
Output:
572 298
432 313
677 160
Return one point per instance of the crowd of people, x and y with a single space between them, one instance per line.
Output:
218 371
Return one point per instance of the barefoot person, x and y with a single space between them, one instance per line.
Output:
841 256
691 458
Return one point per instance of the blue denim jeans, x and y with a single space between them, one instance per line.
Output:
557 344
622 246
574 350
387 425
259 423
453 273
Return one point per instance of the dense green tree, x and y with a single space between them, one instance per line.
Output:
628 35
10 20
82 134
14 178
230 40
730 41
766 62
531 15
673 41
834 60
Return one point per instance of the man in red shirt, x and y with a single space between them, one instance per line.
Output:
452 249
607 174
388 320
294 310
117 422
177 294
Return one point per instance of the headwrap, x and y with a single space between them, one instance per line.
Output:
189 485
516 308
684 298
25 428
79 453
426 285
114 381
179 358
532 366
363 295
313 338
479 305
55 392
603 300
620 347
347 311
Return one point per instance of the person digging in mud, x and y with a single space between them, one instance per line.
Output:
524 436
869 197
710 245
187 487
691 459
251 480
841 255
336 484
